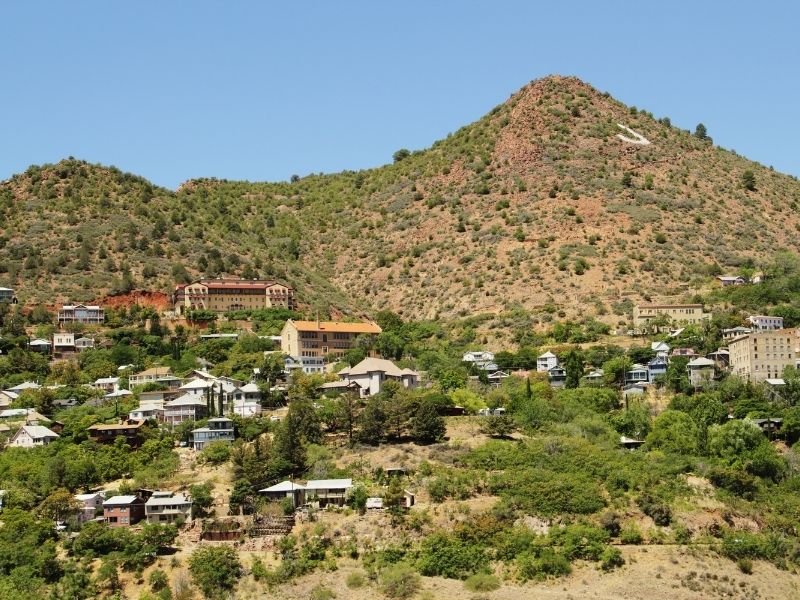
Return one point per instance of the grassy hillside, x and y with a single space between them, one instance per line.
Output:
538 204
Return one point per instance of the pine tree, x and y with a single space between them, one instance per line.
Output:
427 425
372 423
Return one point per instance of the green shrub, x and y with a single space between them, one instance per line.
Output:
734 481
448 556
630 534
399 581
655 508
745 565
320 592
546 564
580 541
611 558
355 580
482 582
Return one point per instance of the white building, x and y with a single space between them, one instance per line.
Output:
166 507
29 436
371 373
91 504
765 322
546 361
108 384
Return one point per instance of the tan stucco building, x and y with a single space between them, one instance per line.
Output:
321 338
223 295
764 354
683 314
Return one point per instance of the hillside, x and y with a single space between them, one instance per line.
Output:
529 206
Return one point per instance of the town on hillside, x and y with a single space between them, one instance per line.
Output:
232 421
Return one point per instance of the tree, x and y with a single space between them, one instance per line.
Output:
59 505
500 426
215 570
394 500
347 411
573 364
627 179
700 132
372 423
201 498
675 432
427 425
401 154
735 440
749 180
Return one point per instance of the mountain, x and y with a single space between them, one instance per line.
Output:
540 205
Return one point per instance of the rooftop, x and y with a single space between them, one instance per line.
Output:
335 326
120 500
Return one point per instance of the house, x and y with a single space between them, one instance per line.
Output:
63 343
123 511
684 314
7 397
158 396
770 425
328 491
286 489
728 280
482 359
40 345
27 385
776 388
106 433
118 394
66 402
166 507
557 376
629 443
546 361
637 374
307 364
29 436
763 355
7 295
84 343
596 377
197 386
90 505
323 338
106 384
184 408
684 352
734 332
660 348
218 429
721 356
226 295
701 371
633 390
249 405
496 378
81 313
145 412
765 322
160 375
371 373
657 368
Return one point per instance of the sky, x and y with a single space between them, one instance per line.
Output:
262 90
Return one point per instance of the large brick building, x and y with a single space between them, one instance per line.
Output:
763 355
223 295
322 338
683 314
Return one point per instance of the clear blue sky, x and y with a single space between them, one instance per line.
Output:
263 90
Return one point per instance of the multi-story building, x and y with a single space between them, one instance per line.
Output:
223 295
161 375
7 295
765 322
683 314
123 511
166 507
322 338
107 433
184 408
219 429
763 355
81 313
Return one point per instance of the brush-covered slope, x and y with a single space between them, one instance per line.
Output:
538 204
